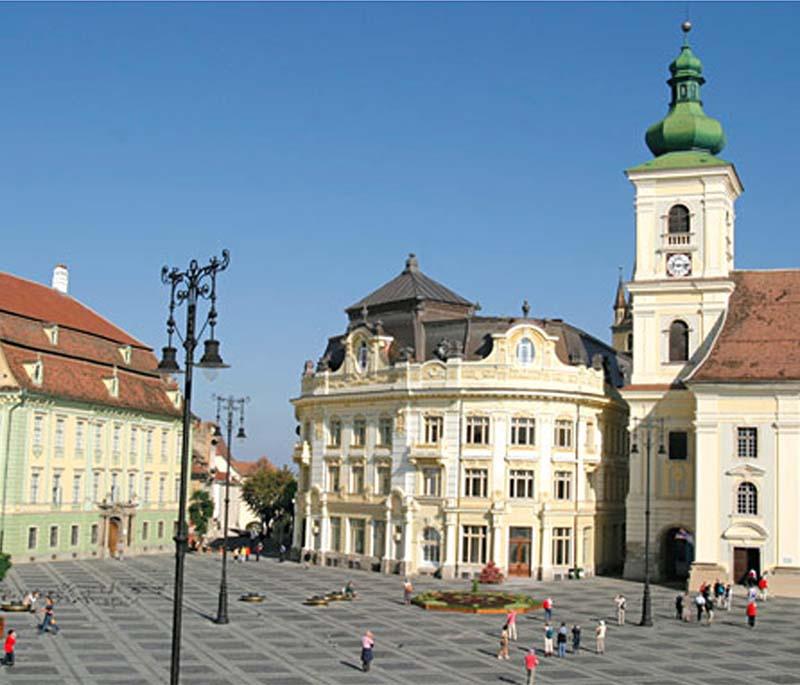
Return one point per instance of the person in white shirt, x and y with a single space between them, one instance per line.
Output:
600 637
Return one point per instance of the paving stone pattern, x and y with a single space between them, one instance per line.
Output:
115 621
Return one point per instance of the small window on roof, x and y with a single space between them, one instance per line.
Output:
363 356
525 351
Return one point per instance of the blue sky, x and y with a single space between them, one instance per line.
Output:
321 143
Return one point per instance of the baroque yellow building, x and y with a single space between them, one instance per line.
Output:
716 369
434 440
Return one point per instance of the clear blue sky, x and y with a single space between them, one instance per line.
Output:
321 143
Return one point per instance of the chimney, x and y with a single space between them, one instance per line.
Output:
61 278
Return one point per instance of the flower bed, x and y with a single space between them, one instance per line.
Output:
476 602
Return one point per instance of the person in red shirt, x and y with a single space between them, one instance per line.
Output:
762 587
547 605
531 662
752 610
8 648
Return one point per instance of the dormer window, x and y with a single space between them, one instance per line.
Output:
679 221
51 331
362 357
36 371
112 385
125 352
525 352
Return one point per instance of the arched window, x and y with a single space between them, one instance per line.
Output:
678 341
430 545
678 219
363 356
525 351
747 499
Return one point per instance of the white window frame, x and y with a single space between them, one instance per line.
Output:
477 431
521 484
523 431
525 352
433 427
432 481
476 479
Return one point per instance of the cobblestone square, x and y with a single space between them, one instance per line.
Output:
115 623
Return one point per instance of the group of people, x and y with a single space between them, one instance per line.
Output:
718 595
46 614
243 553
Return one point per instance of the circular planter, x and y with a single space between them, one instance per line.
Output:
316 601
252 598
337 597
476 602
15 607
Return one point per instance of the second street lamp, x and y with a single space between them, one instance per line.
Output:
647 426
231 406
190 286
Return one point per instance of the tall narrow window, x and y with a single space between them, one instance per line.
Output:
335 433
431 545
563 433
164 447
38 430
473 544
80 440
678 341
525 351
96 486
434 427
357 479
562 485
432 482
34 487
134 442
678 445
747 442
162 488
385 429
76 488
747 499
562 546
131 487
678 219
60 426
476 482
148 444
56 499
363 357
74 532
336 533
359 433
54 536
384 480
147 482
33 537
94 533
358 536
334 472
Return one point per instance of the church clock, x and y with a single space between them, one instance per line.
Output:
679 265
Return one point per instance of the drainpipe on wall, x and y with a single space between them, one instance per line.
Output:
7 443
458 483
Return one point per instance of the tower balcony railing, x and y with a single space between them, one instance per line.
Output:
683 239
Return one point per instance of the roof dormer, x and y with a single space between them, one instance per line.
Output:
125 352
112 384
36 371
51 331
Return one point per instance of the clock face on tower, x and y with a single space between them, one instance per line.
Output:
679 265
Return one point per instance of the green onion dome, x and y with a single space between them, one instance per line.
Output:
686 126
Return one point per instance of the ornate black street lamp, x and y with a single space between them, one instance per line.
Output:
231 406
647 426
190 286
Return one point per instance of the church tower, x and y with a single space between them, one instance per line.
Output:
682 280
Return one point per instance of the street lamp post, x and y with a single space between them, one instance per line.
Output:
647 426
190 286
231 406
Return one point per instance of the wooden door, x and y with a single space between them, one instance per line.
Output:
519 552
740 568
113 536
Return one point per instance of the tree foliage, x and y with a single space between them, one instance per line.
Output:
201 508
270 492
5 564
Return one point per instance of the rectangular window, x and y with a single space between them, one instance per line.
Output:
115 494
96 486
178 446
56 491
357 479
562 485
335 433
384 480
434 427
563 434
358 534
359 433
562 546
473 544
336 534
38 430
80 436
94 534
54 536
59 438
145 529
334 472
678 445
74 532
147 482
523 432
134 443
162 489
33 537
131 487
98 441
164 446
477 430
76 487
379 539
432 482
148 445
747 442
476 482
520 484
35 487
116 439
160 529
385 430
177 489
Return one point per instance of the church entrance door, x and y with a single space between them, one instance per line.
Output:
519 552
744 559
113 535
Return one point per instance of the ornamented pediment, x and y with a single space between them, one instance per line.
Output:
746 471
745 530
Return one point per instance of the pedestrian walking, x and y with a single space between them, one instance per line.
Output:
621 604
259 548
562 640
282 553
408 588
48 623
752 594
367 645
247 552
700 604
8 648
548 639
751 612
30 600
511 622
547 605
503 653
752 578
679 606
600 637
709 613
576 638
719 594
687 608
235 554
763 588
531 662
728 597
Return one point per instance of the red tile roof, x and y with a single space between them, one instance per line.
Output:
36 301
760 338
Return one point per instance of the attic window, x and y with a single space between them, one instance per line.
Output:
525 352
125 351
112 385
363 357
36 371
51 331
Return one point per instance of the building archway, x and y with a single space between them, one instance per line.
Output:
677 553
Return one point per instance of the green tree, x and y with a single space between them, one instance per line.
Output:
270 492
5 564
200 511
